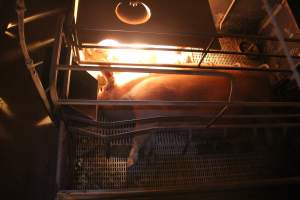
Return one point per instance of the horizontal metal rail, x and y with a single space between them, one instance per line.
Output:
194 50
192 35
153 127
159 103
86 102
141 69
254 69
147 70
181 118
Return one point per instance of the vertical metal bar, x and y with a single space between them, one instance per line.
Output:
62 135
67 78
55 61
76 42
212 42
280 37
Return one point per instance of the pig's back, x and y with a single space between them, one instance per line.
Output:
247 87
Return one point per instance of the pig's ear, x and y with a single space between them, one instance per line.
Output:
101 85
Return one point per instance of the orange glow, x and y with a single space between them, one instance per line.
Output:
135 56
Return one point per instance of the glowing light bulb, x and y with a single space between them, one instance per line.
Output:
133 12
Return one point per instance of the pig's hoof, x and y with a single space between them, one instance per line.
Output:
130 162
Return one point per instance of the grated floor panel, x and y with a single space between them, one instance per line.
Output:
98 164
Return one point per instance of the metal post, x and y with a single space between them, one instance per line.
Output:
62 135
55 61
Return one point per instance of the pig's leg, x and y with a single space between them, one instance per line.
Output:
138 142
144 141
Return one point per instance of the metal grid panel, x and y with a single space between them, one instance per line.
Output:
222 157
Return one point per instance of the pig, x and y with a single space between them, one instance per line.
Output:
248 87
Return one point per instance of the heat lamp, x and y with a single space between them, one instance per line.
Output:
133 12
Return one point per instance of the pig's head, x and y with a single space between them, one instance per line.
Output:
106 86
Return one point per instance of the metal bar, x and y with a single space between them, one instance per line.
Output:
187 50
275 12
182 118
296 74
154 127
94 46
67 78
141 69
173 191
86 102
37 17
76 41
198 35
55 61
206 51
11 35
217 67
62 134
149 70
28 60
232 4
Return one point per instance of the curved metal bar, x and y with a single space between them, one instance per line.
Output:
28 60
20 11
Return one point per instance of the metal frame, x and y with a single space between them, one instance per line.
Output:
115 194
74 44
201 69
151 68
